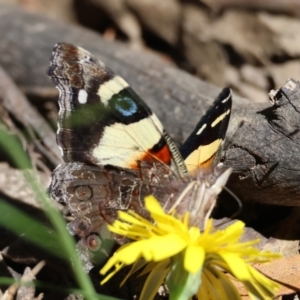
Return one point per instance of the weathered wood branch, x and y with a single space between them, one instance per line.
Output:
262 139
264 150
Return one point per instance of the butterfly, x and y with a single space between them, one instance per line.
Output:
116 151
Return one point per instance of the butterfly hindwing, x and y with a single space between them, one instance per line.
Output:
202 147
95 194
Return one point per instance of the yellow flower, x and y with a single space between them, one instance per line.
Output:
191 262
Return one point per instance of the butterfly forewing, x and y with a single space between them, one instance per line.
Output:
202 147
102 121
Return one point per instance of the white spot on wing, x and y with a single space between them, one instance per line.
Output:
111 87
201 129
82 97
226 99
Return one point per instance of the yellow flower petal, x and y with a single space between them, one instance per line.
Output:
139 264
264 287
229 291
159 248
206 290
217 290
194 233
194 258
118 267
155 280
237 266
127 217
153 206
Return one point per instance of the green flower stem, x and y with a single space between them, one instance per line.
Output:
181 283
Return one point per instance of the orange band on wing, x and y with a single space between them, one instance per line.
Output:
162 155
208 163
205 164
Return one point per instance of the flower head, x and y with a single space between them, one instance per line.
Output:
192 262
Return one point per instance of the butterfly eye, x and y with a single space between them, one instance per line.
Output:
84 192
93 242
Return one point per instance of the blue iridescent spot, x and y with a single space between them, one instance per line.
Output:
126 106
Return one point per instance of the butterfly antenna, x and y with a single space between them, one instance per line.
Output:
237 199
239 202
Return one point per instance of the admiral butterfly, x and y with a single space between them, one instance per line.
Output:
116 151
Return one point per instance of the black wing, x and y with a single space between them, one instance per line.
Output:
203 145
